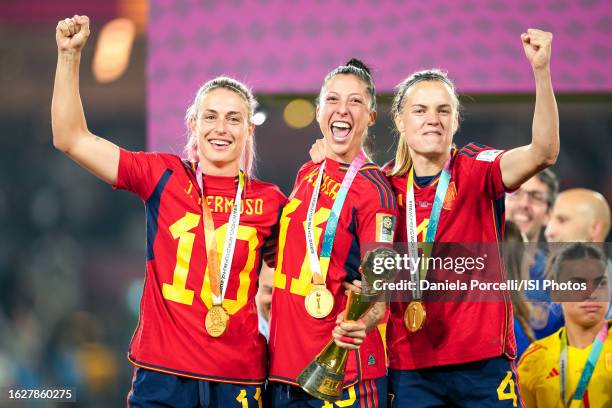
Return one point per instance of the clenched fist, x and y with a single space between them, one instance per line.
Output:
537 44
71 34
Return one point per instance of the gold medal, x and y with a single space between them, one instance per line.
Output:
319 301
216 321
414 316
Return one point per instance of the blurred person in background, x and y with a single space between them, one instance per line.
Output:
530 207
581 215
573 366
514 246
353 192
264 298
77 356
208 222
24 341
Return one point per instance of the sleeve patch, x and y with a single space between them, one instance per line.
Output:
488 155
385 225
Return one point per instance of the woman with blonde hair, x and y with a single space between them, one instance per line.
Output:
459 352
197 341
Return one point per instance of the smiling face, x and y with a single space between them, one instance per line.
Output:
528 207
222 128
344 116
428 118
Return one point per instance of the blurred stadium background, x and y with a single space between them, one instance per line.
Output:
72 250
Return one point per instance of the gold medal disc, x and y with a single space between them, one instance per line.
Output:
319 301
216 321
414 316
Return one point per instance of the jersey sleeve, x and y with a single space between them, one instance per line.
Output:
527 374
377 213
485 168
270 246
303 171
139 172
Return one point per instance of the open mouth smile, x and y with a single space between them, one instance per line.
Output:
340 130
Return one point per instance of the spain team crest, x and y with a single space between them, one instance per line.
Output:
451 195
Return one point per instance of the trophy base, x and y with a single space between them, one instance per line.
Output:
320 382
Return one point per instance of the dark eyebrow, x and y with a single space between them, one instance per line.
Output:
583 279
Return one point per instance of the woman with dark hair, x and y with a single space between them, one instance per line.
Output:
572 368
335 208
197 340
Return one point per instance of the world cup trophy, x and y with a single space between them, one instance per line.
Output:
323 378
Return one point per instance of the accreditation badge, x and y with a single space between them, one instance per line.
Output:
319 301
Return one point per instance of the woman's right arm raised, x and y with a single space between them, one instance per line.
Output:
70 133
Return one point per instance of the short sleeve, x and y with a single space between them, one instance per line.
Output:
139 172
377 212
485 168
270 247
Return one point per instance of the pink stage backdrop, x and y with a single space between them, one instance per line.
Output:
280 46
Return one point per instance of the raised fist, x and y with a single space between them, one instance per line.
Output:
537 44
71 33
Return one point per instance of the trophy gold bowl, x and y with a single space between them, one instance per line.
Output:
323 378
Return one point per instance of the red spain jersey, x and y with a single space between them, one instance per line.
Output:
367 214
457 331
171 335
